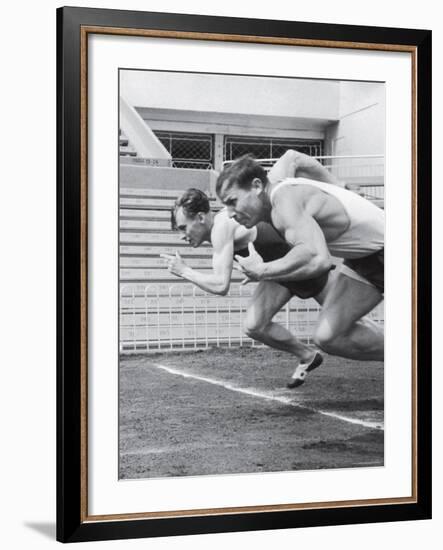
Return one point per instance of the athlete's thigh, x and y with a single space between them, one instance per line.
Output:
322 295
346 301
267 300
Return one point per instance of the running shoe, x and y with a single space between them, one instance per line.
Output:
300 373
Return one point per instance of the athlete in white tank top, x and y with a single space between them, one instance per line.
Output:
365 233
346 225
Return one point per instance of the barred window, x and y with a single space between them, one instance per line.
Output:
189 150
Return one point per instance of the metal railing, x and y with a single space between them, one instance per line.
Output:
186 317
361 173
270 147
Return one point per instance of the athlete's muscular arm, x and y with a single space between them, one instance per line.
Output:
295 164
309 256
219 279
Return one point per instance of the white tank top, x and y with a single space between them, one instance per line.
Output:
366 232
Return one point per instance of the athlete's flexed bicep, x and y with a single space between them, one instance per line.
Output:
309 255
218 280
222 259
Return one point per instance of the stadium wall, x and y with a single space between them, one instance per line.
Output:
360 128
310 99
140 176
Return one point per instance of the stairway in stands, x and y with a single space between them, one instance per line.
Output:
125 148
157 309
161 311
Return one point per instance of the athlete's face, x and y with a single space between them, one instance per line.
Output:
195 230
244 205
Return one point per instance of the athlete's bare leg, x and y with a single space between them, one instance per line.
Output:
361 343
268 299
342 328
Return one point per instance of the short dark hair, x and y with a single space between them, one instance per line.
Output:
192 201
241 172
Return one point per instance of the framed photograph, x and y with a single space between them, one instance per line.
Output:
227 360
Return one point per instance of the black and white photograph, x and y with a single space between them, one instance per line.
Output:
251 274
228 360
198 350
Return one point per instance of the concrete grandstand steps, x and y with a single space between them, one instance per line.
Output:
156 262
129 214
125 148
148 275
145 225
171 238
127 151
145 215
157 249
148 203
152 300
150 174
170 194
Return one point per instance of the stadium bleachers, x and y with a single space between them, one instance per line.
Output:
126 150
159 311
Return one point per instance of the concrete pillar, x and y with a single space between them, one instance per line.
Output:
218 152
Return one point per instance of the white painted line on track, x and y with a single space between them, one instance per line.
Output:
269 397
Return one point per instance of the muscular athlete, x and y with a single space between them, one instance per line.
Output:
317 221
193 217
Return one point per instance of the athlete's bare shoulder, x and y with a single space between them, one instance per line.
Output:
222 221
222 215
292 190
223 229
226 228
291 200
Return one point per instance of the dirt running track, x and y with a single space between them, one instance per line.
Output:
228 411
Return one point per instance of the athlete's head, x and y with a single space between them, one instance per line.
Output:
191 215
240 187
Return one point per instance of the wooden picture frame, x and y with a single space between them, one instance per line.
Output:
74 26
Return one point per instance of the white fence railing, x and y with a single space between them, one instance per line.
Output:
186 317
364 173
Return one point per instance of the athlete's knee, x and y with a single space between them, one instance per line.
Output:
324 337
254 328
362 338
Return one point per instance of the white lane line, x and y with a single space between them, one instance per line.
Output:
269 397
